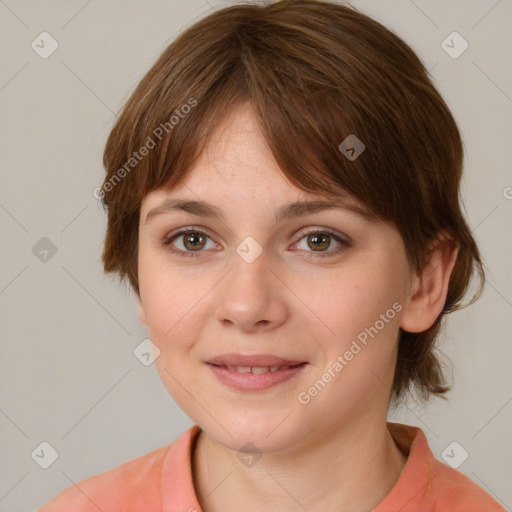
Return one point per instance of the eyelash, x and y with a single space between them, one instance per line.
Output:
302 234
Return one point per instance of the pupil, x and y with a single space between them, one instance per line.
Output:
318 240
193 239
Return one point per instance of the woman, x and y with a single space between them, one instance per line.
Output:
282 194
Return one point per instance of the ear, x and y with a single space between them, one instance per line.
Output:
429 287
142 314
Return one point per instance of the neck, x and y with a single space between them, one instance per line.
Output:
350 469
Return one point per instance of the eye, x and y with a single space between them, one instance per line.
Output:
319 240
192 241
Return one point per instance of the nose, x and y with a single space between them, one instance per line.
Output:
252 297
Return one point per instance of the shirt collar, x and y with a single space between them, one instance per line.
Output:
178 493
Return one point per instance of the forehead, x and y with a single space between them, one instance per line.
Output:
237 170
237 153
237 160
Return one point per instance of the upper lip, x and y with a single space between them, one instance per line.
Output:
262 360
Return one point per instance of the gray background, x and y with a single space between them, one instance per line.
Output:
68 373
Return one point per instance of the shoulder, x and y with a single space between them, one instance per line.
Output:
426 483
456 492
134 486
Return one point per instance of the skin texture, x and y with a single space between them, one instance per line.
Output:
335 451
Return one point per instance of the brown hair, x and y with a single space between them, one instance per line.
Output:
314 72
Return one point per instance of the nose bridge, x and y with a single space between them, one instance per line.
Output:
250 296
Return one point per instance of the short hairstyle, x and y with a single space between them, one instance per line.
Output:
315 72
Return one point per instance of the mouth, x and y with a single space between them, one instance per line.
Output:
254 373
253 361
257 369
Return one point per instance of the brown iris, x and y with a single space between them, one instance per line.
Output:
319 241
194 241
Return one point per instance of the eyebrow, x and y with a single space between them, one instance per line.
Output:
287 211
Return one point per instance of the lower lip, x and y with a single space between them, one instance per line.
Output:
254 381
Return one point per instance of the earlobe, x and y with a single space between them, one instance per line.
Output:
429 288
142 314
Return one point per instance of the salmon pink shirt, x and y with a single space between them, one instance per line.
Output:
161 481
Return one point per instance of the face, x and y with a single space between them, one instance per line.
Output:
323 288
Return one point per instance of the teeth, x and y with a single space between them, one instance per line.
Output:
259 369
256 369
240 369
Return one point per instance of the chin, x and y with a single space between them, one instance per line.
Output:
252 435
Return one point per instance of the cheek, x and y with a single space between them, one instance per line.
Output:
176 307
162 300
362 309
166 293
352 299
172 313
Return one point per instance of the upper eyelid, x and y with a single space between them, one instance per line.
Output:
184 230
